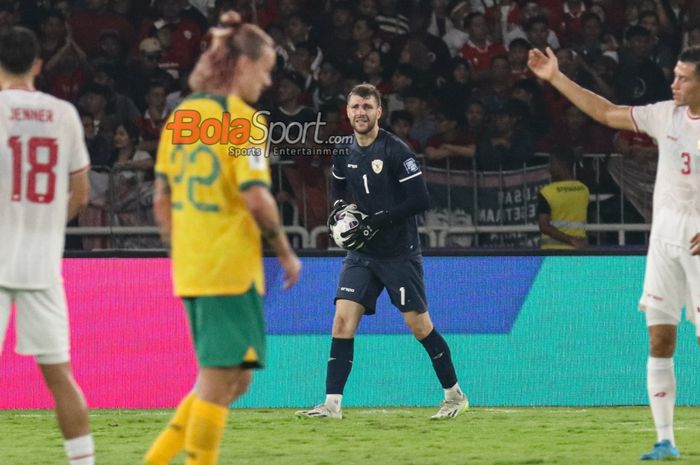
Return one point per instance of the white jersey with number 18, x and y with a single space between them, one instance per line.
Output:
41 145
677 189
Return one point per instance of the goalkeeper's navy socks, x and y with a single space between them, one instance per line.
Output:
339 365
439 353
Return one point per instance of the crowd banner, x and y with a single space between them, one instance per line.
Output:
485 198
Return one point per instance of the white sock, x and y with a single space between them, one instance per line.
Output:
80 451
453 393
334 400
661 386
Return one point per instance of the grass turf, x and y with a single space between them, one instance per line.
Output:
398 436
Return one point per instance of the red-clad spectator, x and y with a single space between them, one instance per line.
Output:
571 25
450 146
517 57
537 32
578 132
153 119
180 38
479 50
65 66
97 19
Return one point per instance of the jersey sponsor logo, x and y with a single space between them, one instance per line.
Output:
655 297
347 289
673 138
660 394
350 165
377 166
411 166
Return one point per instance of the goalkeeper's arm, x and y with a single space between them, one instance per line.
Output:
417 201
338 189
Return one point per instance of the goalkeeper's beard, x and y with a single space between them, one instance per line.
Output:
370 126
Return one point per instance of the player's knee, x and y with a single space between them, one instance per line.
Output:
342 328
242 384
56 375
420 329
662 345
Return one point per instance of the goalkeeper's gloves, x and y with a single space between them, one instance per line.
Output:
368 227
337 206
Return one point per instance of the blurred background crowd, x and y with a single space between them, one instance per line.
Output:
453 76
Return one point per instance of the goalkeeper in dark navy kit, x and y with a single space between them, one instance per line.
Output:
381 175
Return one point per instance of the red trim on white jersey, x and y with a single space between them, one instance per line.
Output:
84 168
636 128
692 116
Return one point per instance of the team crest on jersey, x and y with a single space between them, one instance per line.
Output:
377 166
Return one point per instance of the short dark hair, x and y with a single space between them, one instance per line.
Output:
691 55
540 19
366 90
590 16
19 47
519 42
470 17
131 129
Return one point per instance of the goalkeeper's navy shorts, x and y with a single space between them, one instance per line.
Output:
363 279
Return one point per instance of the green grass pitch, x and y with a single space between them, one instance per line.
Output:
396 436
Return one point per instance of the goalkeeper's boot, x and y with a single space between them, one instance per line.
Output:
663 450
452 408
321 411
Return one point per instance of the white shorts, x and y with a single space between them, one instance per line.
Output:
671 280
41 323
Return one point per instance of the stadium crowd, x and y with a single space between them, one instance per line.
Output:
453 76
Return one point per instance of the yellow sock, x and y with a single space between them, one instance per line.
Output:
172 439
204 432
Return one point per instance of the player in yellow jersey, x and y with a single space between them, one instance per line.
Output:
212 209
562 206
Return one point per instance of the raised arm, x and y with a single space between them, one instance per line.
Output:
595 106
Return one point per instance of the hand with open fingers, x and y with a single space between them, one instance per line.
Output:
544 67
695 245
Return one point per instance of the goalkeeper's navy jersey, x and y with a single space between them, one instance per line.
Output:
373 177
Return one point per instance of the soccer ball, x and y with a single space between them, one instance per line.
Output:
344 221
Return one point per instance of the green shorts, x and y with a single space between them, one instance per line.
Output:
228 330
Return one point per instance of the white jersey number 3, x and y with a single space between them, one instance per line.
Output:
38 168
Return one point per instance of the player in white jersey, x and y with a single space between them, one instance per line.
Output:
43 184
672 271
